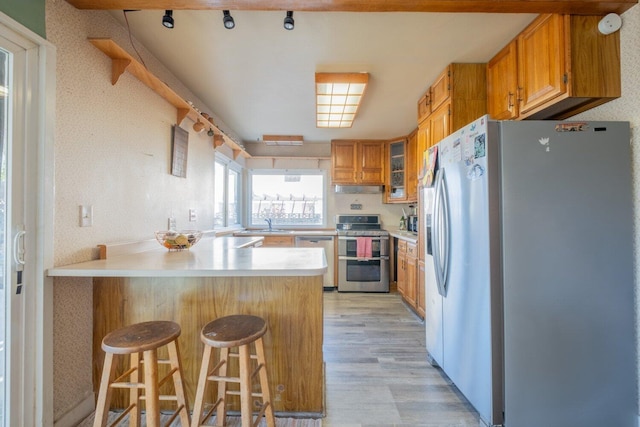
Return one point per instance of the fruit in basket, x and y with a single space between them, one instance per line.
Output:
178 240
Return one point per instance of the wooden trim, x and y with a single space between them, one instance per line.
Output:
122 61
584 7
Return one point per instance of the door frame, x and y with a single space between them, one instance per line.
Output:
39 129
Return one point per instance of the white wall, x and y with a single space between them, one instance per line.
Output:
627 108
112 151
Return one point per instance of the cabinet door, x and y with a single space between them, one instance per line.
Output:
440 89
411 280
424 142
502 84
441 123
541 62
278 241
424 106
396 171
343 162
401 266
372 166
411 183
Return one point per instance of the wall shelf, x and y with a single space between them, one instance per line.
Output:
273 159
121 61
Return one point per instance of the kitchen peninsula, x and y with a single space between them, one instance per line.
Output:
215 278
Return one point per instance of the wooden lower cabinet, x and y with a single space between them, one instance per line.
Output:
291 306
407 276
278 241
401 261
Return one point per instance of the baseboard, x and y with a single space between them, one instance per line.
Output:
78 413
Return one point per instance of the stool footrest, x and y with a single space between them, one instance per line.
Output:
122 415
263 410
225 379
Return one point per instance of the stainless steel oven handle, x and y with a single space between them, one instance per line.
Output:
356 237
354 258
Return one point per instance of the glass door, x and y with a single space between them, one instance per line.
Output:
13 99
4 101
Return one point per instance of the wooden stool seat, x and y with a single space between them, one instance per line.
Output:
142 338
233 331
225 333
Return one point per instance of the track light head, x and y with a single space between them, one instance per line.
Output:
288 21
167 19
227 20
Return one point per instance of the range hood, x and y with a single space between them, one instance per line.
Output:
358 189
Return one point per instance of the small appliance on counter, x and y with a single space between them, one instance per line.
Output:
412 223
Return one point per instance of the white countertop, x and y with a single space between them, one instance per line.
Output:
219 257
409 236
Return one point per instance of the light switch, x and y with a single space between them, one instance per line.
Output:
86 215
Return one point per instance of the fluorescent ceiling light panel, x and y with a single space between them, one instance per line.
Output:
282 139
338 96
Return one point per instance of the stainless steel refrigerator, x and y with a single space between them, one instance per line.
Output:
530 301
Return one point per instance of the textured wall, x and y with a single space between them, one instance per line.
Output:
112 151
627 108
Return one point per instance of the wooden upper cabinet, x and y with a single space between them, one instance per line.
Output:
502 83
372 166
458 96
441 123
440 88
356 162
424 106
343 161
401 170
541 62
563 66
423 142
412 167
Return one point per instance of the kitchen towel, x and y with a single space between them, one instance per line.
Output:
363 247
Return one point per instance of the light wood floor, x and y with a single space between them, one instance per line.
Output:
377 374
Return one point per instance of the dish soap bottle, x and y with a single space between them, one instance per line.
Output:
403 223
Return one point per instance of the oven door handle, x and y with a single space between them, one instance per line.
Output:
356 238
355 258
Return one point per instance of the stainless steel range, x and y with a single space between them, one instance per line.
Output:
363 254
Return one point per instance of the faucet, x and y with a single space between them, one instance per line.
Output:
268 222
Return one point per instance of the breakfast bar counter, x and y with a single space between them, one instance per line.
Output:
215 278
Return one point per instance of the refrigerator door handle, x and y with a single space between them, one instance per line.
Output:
440 225
446 227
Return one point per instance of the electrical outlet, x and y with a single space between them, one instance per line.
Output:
172 223
192 215
86 215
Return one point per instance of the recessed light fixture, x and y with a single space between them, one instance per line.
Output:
289 23
227 20
167 19
338 97
282 139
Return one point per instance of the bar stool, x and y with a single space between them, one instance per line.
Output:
226 333
145 338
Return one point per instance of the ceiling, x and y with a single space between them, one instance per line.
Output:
258 78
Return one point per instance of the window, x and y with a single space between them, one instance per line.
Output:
227 199
288 198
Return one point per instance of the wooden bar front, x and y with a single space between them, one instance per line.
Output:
291 306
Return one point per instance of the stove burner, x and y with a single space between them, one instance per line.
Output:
359 225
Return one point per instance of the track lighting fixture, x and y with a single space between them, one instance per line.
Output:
288 21
167 19
227 20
